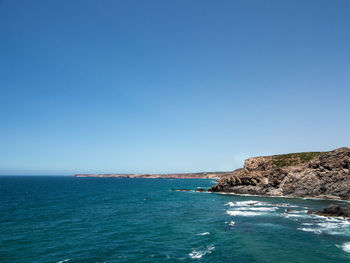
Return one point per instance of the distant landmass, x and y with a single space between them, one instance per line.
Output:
307 174
204 175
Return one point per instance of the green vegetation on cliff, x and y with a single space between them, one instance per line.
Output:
294 158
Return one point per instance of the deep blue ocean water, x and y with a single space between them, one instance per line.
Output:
67 219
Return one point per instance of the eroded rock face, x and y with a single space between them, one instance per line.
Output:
322 175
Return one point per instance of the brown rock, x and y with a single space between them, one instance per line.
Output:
312 174
335 210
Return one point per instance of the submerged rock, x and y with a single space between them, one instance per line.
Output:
200 190
310 174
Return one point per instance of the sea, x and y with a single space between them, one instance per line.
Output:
66 219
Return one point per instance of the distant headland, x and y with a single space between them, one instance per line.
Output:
204 175
307 174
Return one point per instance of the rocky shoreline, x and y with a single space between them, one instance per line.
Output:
333 211
312 175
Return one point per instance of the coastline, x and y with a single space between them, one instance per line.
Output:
284 196
204 175
320 175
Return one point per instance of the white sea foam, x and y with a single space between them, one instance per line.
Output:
249 203
243 203
335 228
313 230
328 226
243 213
285 215
294 215
262 209
298 212
62 261
345 247
246 203
249 208
197 254
203 234
231 223
333 219
285 205
307 224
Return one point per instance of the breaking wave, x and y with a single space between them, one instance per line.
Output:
306 229
345 247
250 208
203 234
331 226
197 254
243 213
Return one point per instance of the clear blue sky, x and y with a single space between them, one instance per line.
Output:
169 86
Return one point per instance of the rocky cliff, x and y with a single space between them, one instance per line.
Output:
312 174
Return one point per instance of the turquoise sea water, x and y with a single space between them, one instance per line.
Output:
66 219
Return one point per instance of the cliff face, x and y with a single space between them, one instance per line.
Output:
313 174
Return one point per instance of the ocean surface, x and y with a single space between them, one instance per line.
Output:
67 219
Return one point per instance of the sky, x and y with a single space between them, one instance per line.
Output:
169 86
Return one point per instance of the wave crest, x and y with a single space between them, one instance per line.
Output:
197 254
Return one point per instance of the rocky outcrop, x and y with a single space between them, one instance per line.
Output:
334 210
311 174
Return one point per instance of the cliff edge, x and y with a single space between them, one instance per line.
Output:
309 174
